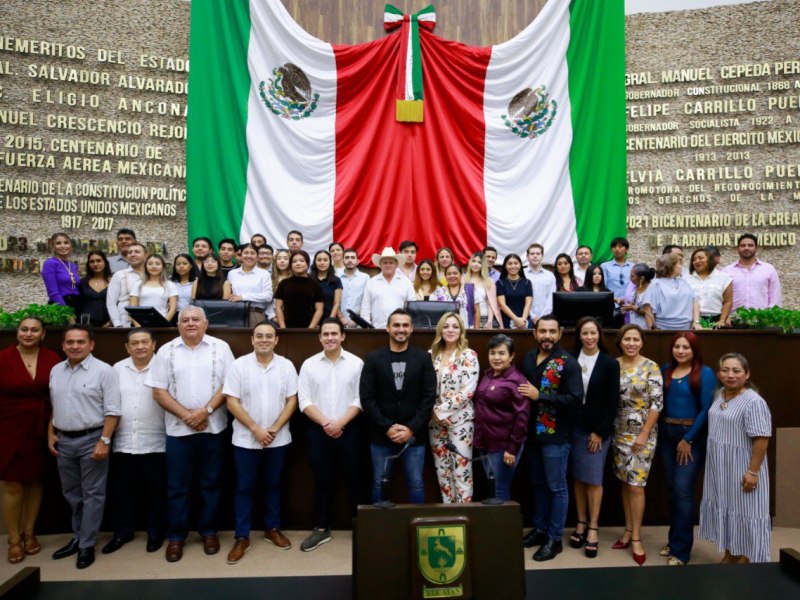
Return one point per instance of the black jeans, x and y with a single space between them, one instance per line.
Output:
139 479
325 454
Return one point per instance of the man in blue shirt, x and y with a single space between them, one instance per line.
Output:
617 272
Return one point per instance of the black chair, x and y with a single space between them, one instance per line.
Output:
425 314
221 313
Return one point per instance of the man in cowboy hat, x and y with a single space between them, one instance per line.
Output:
386 291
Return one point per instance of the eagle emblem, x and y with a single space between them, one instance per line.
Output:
289 94
530 112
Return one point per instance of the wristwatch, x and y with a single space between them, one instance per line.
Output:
105 440
209 410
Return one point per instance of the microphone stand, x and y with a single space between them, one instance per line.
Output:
384 501
492 499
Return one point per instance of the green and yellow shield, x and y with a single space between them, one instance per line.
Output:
441 552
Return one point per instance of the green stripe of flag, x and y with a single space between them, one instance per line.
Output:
416 59
216 144
596 62
392 9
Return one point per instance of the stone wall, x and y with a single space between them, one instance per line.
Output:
740 168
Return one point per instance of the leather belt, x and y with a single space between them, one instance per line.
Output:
77 434
671 421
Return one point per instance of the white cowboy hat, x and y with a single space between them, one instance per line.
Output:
388 252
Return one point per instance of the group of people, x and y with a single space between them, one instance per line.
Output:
161 414
287 285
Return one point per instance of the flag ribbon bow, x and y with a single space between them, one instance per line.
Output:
409 106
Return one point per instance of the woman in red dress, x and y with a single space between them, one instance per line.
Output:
24 413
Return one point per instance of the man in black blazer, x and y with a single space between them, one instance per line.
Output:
398 389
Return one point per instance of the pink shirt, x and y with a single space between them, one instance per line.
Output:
754 287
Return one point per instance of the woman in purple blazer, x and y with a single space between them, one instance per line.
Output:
60 273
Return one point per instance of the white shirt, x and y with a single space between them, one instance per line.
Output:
262 392
141 429
709 291
544 284
118 295
587 364
184 294
155 296
382 297
330 386
255 286
192 376
580 274
352 291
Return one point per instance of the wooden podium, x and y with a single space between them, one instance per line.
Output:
438 551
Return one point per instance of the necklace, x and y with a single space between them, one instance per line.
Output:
69 272
98 285
453 296
725 400
29 359
513 283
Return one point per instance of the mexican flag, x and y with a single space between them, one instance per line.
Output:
519 142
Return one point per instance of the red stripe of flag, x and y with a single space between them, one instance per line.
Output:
417 181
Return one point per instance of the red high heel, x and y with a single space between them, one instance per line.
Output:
620 545
638 558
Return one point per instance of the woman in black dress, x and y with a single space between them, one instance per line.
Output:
323 271
299 300
514 293
93 288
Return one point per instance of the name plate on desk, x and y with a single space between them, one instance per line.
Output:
441 561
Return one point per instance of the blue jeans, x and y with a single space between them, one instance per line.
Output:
185 454
413 460
268 463
680 487
548 471
502 473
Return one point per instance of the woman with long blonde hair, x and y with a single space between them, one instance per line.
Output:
484 292
457 370
155 290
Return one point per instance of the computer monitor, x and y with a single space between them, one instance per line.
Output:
221 313
147 316
570 307
425 314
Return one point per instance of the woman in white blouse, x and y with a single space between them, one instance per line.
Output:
485 292
251 284
712 287
155 290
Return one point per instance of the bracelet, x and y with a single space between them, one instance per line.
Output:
749 472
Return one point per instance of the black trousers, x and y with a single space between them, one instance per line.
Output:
326 454
139 480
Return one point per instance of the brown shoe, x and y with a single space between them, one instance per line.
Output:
210 544
174 550
32 545
240 546
276 537
16 553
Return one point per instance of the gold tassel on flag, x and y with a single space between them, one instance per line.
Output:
409 111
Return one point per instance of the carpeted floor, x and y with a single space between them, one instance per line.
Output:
334 558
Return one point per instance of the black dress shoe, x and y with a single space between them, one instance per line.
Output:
68 550
549 550
85 557
115 544
534 538
154 543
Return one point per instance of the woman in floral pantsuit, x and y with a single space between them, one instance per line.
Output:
456 368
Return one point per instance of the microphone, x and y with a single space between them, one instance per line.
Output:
358 320
492 499
384 501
